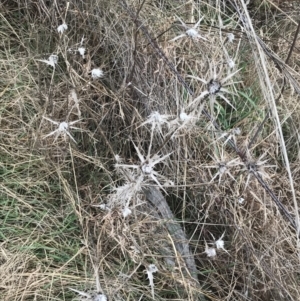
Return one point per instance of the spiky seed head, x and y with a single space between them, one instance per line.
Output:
222 168
147 169
193 33
214 86
63 126
252 166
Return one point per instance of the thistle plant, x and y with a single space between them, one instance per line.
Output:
223 166
185 121
218 244
157 121
230 135
190 32
62 129
123 195
147 77
215 87
146 167
256 166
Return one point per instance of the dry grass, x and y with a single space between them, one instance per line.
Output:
54 236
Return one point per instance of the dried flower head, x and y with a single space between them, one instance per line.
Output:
97 73
230 63
126 212
223 165
147 165
185 121
62 128
61 28
81 51
52 60
230 37
220 243
241 200
230 135
184 116
157 120
215 86
190 32
257 167
210 252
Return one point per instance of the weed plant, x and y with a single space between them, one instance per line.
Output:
149 150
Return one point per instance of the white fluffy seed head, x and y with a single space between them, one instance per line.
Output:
103 207
230 63
126 212
230 37
97 73
53 58
241 200
193 33
63 126
222 168
183 116
61 28
118 159
220 244
100 297
147 169
214 86
155 116
152 268
81 51
210 252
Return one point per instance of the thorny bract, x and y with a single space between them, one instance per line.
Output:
146 167
190 32
62 129
215 86
223 165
